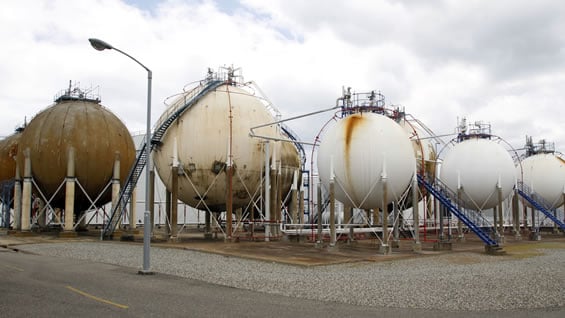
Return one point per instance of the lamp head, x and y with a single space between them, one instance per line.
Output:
99 44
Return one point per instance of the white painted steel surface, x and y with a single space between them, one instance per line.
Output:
477 165
424 149
203 134
365 147
545 175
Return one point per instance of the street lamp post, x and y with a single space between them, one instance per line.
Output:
100 46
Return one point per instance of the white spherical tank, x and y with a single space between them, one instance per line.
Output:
365 147
202 135
424 149
544 174
478 165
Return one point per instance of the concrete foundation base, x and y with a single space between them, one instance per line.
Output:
517 236
535 236
461 238
417 247
494 250
501 239
395 244
67 234
294 238
127 237
332 247
23 233
385 249
443 246
352 242
208 236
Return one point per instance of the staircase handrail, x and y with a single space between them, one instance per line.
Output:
528 195
453 209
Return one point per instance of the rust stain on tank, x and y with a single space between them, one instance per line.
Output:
351 123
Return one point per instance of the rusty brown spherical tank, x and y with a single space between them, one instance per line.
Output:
96 135
8 152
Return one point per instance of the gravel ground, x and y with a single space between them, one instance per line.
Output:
443 282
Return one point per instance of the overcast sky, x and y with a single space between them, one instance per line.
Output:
497 61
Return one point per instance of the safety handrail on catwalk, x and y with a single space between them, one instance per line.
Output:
141 160
436 191
538 202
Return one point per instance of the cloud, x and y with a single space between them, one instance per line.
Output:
494 61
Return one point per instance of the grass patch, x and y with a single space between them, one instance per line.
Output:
526 250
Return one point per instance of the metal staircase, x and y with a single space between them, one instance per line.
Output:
473 220
175 111
538 202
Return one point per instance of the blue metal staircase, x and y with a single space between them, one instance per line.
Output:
141 160
473 220
537 202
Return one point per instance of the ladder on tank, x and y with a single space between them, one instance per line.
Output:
141 159
472 219
538 202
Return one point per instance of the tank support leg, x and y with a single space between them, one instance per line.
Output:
279 199
301 206
516 216
17 200
70 193
294 198
168 212
174 202
396 226
133 210
319 239
332 205
26 193
347 222
151 200
385 247
461 236
116 181
416 215
500 214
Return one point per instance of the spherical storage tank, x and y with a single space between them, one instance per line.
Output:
8 152
202 135
95 134
478 165
544 174
364 147
423 149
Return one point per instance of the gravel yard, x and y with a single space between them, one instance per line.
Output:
454 281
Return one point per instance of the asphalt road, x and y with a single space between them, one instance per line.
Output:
38 286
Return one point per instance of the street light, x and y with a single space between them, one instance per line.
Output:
101 46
